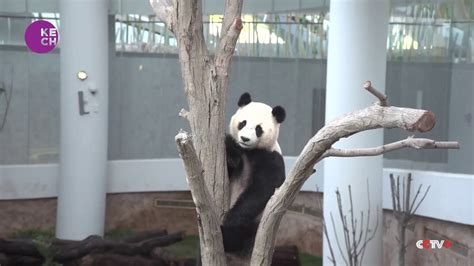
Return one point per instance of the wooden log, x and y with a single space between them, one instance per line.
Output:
115 259
18 247
77 249
286 256
140 236
99 244
19 260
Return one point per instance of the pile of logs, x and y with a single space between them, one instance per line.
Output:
143 248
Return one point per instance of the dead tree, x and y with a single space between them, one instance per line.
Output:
206 81
379 115
404 209
331 256
356 237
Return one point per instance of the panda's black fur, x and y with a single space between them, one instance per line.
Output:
263 171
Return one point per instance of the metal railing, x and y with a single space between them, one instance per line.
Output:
260 39
436 41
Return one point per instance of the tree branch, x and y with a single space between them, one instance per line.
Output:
208 222
410 142
205 90
421 200
227 47
382 97
184 113
403 212
372 117
205 81
331 251
230 31
63 251
165 11
231 27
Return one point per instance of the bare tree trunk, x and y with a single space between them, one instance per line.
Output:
356 237
403 210
402 249
202 92
206 81
210 237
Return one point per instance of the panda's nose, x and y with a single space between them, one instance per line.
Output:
244 139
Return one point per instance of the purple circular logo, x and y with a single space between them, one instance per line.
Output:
41 36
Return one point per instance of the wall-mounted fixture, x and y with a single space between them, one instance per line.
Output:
92 88
82 75
82 103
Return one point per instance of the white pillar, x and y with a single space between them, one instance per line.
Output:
357 52
83 146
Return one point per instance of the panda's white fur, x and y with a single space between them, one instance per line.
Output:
255 167
255 114
239 183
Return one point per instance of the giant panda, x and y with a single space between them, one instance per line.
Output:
256 168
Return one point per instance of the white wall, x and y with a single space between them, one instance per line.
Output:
31 181
451 196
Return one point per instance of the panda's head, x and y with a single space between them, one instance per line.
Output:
256 125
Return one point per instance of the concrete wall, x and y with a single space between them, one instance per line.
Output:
146 211
445 199
36 181
461 253
300 226
32 125
146 94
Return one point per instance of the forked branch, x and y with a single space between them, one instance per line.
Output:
410 142
381 96
205 80
376 116
208 222
356 233
165 11
404 208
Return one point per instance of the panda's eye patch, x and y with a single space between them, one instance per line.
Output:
242 124
259 131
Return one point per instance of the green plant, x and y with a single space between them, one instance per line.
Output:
43 245
42 240
188 248
119 233
310 260
31 233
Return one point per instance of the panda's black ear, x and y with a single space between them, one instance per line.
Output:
244 99
279 113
